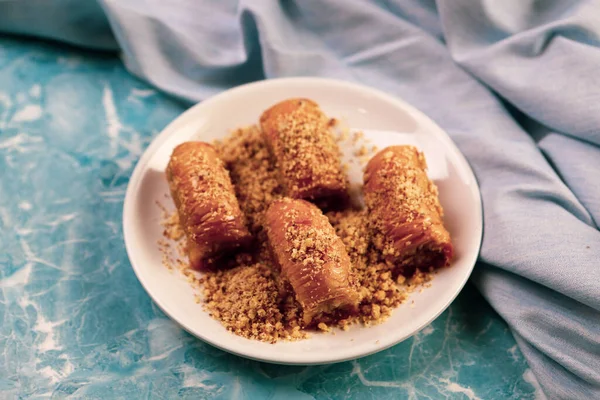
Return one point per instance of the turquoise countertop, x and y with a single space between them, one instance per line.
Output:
76 322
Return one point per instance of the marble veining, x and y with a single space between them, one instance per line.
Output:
76 323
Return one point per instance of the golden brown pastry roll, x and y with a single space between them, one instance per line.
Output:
299 136
208 209
405 215
312 258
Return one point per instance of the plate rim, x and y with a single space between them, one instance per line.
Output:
135 181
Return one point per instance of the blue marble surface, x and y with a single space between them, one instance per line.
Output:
75 322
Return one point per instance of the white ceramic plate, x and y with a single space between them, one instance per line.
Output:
385 120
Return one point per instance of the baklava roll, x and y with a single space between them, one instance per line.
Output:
205 199
308 159
405 215
312 259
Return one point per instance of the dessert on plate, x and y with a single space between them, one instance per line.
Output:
274 246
